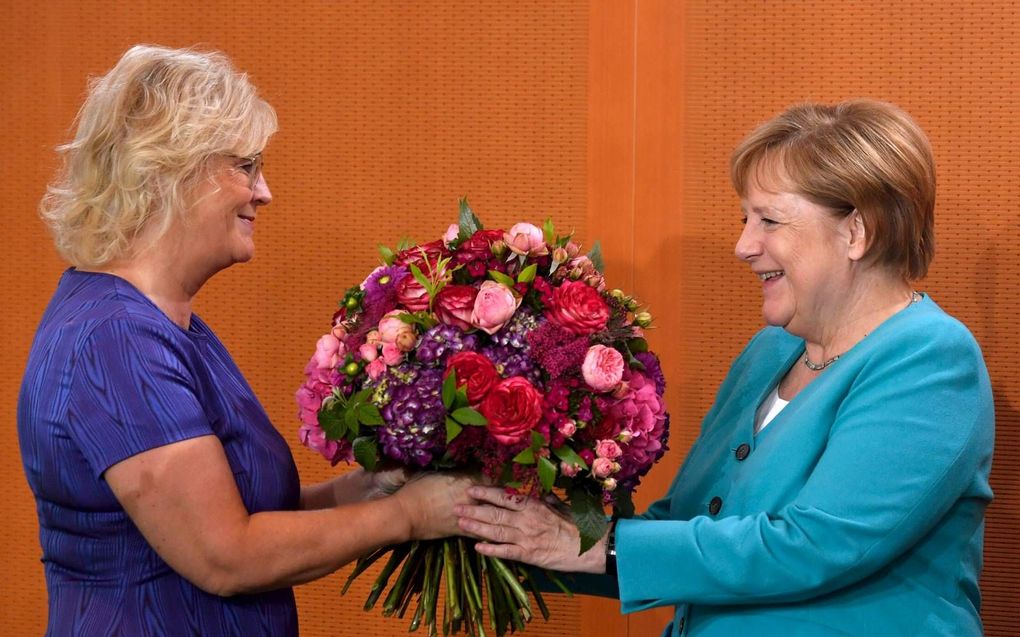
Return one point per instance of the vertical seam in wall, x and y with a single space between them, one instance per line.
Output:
633 154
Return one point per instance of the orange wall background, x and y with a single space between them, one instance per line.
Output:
615 117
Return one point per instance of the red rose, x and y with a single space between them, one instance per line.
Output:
454 304
512 408
578 308
430 252
474 371
412 295
475 254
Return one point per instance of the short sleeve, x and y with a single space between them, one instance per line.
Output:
132 389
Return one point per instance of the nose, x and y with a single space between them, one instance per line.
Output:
748 244
260 194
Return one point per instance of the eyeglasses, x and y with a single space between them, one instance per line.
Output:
250 166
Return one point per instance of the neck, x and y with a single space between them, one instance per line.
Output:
864 309
163 279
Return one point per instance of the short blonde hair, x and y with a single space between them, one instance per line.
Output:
861 155
145 135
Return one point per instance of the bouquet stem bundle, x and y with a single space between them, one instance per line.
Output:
474 584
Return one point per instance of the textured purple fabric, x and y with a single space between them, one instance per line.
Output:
110 376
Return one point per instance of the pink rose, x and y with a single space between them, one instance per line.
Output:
454 305
494 306
602 467
578 308
392 354
602 368
568 428
526 239
369 351
328 352
569 469
376 368
608 449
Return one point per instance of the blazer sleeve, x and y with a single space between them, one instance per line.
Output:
908 439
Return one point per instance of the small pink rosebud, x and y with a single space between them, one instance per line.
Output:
568 428
602 467
451 234
368 351
373 337
526 239
572 249
560 255
391 354
609 484
607 449
569 469
375 369
339 331
625 436
406 340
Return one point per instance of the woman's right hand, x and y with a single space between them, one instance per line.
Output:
428 501
527 530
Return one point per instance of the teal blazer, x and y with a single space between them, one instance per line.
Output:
858 511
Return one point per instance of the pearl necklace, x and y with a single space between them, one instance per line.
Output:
817 367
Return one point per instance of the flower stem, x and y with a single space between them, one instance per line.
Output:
362 565
454 585
396 557
392 601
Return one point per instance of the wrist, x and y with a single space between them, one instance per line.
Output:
610 549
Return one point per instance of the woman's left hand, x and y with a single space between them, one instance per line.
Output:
527 530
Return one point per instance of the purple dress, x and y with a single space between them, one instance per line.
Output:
110 376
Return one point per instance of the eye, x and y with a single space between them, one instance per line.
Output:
743 220
247 166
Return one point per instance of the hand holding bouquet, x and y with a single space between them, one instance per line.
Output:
498 352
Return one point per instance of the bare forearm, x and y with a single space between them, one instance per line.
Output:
349 488
286 548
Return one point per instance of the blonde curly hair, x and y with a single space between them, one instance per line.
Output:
146 133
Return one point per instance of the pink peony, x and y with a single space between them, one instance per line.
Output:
602 368
494 306
526 239
393 330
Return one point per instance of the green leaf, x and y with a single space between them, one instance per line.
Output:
450 389
637 345
537 440
453 429
351 419
332 422
527 275
468 222
499 277
420 278
624 506
596 257
369 415
366 452
568 455
469 416
548 232
546 473
460 399
590 519
525 457
388 256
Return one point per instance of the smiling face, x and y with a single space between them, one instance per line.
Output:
803 256
219 229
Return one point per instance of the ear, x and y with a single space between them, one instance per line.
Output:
857 245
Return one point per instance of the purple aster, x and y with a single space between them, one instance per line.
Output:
381 287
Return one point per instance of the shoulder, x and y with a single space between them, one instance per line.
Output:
925 328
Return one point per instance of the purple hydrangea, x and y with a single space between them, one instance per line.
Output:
414 430
441 342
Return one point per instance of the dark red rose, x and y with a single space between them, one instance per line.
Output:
412 295
454 304
429 253
475 372
578 308
475 254
513 408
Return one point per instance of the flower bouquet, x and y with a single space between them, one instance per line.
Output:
498 352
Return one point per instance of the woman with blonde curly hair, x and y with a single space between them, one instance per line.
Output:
167 501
